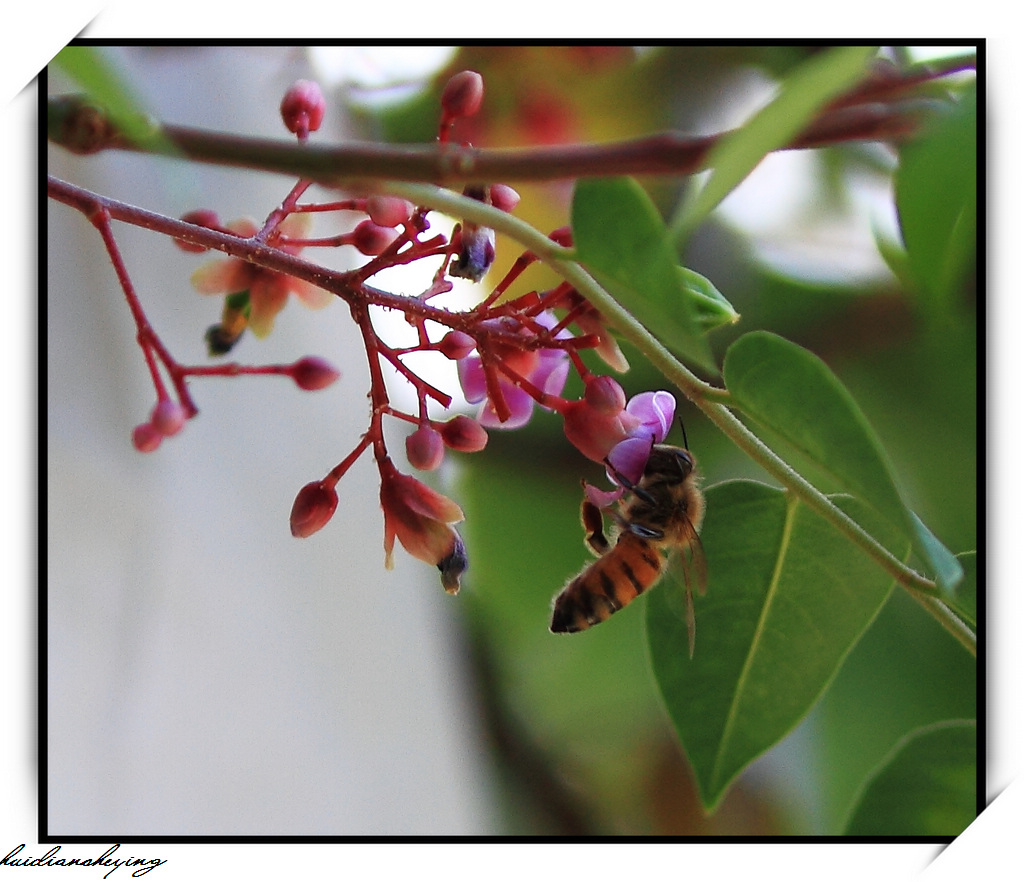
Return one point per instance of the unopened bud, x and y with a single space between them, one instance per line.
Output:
313 508
146 437
302 108
463 94
605 395
465 434
312 373
504 197
425 448
371 239
168 417
456 345
389 211
202 217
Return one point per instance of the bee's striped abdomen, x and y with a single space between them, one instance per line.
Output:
608 584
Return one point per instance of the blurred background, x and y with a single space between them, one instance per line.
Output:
207 673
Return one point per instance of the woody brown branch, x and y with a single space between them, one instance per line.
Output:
82 127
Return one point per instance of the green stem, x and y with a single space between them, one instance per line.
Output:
710 399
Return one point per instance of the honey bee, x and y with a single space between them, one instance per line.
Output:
658 520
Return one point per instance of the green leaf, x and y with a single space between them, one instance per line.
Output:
792 392
788 597
926 787
621 240
937 200
802 94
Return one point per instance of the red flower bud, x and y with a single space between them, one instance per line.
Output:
313 508
456 345
463 94
504 197
168 417
302 108
389 211
311 373
425 448
464 433
605 395
371 239
594 433
202 217
146 437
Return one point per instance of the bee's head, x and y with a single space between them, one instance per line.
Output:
669 463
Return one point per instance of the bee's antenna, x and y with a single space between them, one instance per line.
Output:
686 444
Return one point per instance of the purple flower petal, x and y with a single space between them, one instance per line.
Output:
601 498
471 378
520 406
629 458
655 411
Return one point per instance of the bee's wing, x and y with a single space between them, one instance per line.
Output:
687 569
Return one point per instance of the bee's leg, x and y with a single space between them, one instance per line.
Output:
593 528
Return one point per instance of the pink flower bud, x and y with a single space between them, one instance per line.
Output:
202 217
168 417
463 94
146 437
504 197
302 108
456 345
594 433
389 211
605 395
313 508
465 434
312 373
371 239
425 448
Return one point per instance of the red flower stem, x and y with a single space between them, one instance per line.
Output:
554 402
338 472
515 271
378 388
148 339
494 393
344 205
278 215
422 386
234 369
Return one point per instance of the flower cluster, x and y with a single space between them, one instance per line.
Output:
513 356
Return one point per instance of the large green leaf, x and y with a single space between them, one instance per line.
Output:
788 597
926 787
791 391
621 240
802 94
937 200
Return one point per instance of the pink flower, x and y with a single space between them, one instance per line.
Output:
421 519
545 369
646 421
268 289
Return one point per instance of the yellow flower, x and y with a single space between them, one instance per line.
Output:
268 289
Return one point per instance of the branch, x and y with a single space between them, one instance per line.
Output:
76 124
